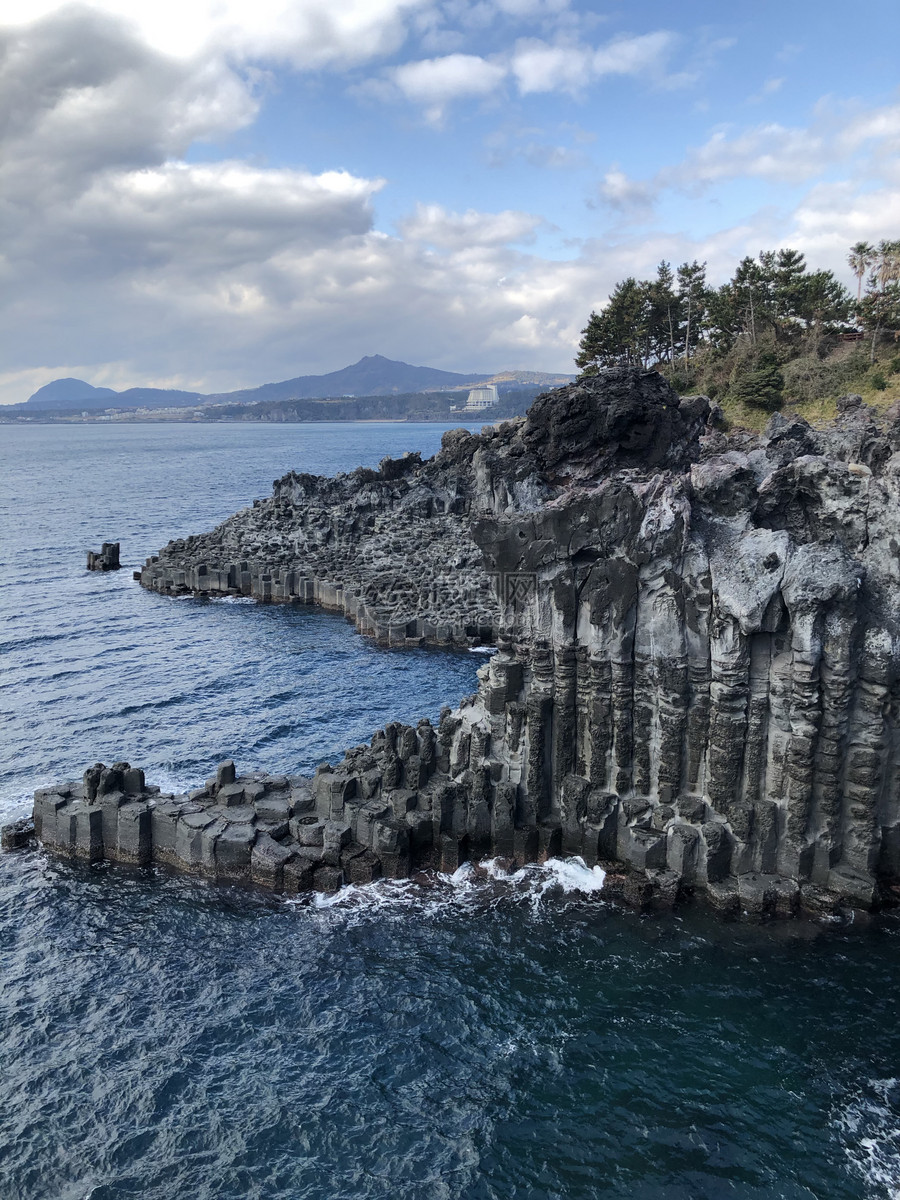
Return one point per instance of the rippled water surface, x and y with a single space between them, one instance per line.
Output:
481 1037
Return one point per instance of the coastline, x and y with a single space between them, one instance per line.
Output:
659 750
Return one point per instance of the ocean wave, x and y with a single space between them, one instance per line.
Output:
472 887
869 1128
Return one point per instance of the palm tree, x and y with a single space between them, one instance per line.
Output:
888 257
861 257
880 308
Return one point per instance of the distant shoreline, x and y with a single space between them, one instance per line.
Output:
22 422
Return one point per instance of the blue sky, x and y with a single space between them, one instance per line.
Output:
215 194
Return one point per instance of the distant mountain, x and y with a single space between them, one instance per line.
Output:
373 375
67 393
157 398
75 393
510 380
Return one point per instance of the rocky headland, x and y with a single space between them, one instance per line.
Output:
696 678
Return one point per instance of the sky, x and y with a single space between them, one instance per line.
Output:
213 194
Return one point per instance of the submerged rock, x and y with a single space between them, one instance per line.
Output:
697 667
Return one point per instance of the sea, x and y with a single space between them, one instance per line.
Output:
481 1036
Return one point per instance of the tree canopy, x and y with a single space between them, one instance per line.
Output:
774 297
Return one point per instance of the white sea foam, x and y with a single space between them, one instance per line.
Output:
483 649
170 784
869 1126
472 886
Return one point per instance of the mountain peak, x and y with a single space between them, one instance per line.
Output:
67 391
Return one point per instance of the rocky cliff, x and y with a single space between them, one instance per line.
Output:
697 667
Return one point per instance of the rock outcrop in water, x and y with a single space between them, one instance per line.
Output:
104 559
251 828
697 668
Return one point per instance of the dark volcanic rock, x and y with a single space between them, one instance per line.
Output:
697 675
617 418
105 559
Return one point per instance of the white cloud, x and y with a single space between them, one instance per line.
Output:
533 64
434 225
309 33
881 126
633 55
619 191
435 81
769 88
532 8
832 216
539 67
861 143
569 67
768 152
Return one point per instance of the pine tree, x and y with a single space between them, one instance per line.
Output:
620 333
691 297
664 314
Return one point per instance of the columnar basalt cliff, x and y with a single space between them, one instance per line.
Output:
697 666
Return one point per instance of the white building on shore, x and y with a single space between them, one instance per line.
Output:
485 396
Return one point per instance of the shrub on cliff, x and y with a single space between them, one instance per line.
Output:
875 379
762 387
810 377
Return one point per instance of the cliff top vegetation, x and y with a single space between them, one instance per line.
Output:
778 334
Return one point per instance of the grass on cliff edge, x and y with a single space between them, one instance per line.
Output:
818 412
811 386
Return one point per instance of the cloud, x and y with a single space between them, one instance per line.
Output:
769 88
80 92
617 190
879 128
533 65
435 81
308 34
539 67
544 148
832 216
767 152
633 55
532 8
434 225
777 152
542 67
863 143
125 263
110 237
550 157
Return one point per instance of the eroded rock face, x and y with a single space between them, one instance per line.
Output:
697 673
628 419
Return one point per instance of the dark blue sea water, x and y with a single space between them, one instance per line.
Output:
485 1038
